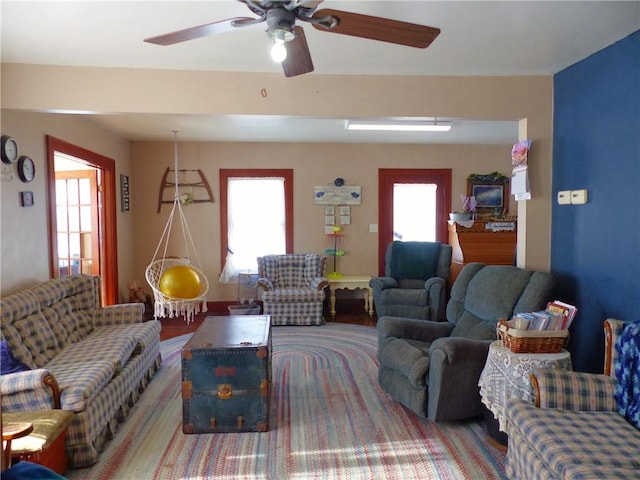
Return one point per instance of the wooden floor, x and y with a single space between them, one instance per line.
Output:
174 327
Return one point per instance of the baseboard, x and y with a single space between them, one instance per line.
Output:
348 306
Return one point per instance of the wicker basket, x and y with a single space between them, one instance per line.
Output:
245 309
531 341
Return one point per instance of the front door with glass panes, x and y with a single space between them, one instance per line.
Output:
77 222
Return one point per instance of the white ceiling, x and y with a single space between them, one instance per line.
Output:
478 38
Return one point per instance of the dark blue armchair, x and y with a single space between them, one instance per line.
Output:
433 368
415 281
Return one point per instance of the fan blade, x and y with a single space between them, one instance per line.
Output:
298 59
377 28
197 32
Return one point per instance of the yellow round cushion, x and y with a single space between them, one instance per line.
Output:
180 281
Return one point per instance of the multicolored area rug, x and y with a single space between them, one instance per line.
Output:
329 420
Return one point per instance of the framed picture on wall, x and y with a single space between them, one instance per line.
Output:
26 199
489 196
490 192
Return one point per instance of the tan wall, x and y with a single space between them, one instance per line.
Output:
313 164
24 230
117 90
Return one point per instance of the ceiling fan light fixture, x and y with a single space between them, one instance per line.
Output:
280 24
278 50
398 126
281 16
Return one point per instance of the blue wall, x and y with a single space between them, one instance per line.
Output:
595 248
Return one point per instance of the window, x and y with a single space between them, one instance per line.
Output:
256 212
76 223
407 199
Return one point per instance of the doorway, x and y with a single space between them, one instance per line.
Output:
82 219
77 224
413 205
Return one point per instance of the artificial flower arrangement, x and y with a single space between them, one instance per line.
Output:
469 204
467 212
186 199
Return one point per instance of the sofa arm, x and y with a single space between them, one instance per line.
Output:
382 283
31 390
319 283
612 330
454 372
265 284
457 350
379 285
436 288
122 314
411 328
569 390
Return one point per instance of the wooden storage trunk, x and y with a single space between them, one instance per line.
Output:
226 375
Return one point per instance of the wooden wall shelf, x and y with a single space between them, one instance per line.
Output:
200 183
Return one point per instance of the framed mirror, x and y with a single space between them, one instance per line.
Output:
491 192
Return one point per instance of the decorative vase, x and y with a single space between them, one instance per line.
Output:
460 217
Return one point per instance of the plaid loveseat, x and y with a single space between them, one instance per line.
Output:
78 356
293 288
574 431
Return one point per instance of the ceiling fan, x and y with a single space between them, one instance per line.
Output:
290 45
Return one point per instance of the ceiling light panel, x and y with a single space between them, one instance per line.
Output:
399 126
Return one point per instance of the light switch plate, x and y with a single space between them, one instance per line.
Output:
578 197
564 197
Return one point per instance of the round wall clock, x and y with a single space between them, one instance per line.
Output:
26 169
9 149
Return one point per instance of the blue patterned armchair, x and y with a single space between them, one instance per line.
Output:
583 425
292 288
415 281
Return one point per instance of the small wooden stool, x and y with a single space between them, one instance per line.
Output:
9 433
45 444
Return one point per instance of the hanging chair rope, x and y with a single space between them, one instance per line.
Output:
166 305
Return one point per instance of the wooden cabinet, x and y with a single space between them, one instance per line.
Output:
480 243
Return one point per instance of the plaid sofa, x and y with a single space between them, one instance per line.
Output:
293 288
574 431
92 360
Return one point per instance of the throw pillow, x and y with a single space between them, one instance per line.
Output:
627 369
8 363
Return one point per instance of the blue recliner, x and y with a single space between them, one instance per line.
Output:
415 281
433 368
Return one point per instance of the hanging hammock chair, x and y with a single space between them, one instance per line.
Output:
165 304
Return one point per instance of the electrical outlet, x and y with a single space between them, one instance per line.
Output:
564 197
578 197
